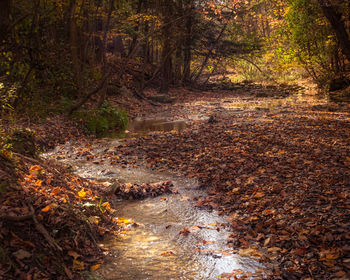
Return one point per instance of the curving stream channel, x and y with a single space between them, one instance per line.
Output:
153 246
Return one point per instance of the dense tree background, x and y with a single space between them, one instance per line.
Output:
66 52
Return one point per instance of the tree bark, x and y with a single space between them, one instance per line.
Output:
166 35
74 46
210 52
188 42
5 6
338 25
104 57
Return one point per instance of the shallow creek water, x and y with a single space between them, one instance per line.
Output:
153 248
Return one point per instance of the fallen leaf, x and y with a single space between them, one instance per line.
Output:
259 194
47 208
249 252
185 231
107 206
82 193
95 267
78 265
167 253
22 254
73 254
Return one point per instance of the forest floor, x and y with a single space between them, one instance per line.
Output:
274 160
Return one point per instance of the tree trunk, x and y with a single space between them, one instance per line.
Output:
338 25
5 6
104 57
74 46
210 51
166 58
188 42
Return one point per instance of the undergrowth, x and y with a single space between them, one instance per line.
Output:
99 121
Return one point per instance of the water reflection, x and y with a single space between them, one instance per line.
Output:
143 126
154 248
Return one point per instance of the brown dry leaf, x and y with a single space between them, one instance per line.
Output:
273 250
185 231
250 252
327 255
73 254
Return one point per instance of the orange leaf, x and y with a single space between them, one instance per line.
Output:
56 191
34 170
167 253
95 267
47 208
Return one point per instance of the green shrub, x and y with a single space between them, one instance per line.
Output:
99 121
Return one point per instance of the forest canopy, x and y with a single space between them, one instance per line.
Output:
71 51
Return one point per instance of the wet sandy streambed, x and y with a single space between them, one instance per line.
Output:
153 247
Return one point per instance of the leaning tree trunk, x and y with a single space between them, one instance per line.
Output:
338 25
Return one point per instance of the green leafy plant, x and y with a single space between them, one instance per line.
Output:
99 121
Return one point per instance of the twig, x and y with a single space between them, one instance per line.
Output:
39 227
17 218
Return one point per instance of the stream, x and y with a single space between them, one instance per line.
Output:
153 245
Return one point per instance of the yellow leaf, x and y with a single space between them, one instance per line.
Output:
95 267
82 193
38 183
107 205
122 221
78 265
